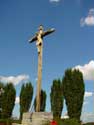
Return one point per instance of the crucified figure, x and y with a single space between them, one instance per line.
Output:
39 38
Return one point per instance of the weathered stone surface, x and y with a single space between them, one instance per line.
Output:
40 118
26 120
36 118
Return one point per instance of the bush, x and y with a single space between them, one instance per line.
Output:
58 120
71 122
9 121
5 122
67 121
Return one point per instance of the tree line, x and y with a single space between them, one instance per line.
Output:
71 89
8 97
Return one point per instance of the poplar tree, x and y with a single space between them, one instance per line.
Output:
1 94
8 100
73 90
56 98
26 95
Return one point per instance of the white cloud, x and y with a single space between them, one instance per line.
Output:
17 100
14 79
54 0
85 102
87 117
87 70
89 19
88 94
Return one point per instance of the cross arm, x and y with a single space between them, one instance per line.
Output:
33 39
43 35
48 32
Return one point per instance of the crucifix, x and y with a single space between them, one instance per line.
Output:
39 43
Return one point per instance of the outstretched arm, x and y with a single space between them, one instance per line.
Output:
48 32
33 39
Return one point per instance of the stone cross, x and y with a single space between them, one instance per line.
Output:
39 43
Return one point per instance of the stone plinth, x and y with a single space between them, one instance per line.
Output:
26 119
40 118
36 118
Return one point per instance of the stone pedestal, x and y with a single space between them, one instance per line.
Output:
41 118
36 118
26 119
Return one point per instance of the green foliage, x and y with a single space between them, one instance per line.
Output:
71 122
8 100
58 121
42 101
56 98
1 93
26 95
9 121
73 90
5 121
67 121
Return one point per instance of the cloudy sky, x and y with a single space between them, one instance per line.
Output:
72 45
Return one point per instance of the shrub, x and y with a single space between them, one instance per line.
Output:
9 121
5 122
67 121
58 120
71 122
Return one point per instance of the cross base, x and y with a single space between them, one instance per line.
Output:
37 118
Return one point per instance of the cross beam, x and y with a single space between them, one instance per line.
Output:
39 43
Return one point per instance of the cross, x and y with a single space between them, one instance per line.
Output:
39 43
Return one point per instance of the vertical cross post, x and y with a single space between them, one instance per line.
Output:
39 82
39 43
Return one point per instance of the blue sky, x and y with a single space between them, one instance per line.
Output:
72 45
